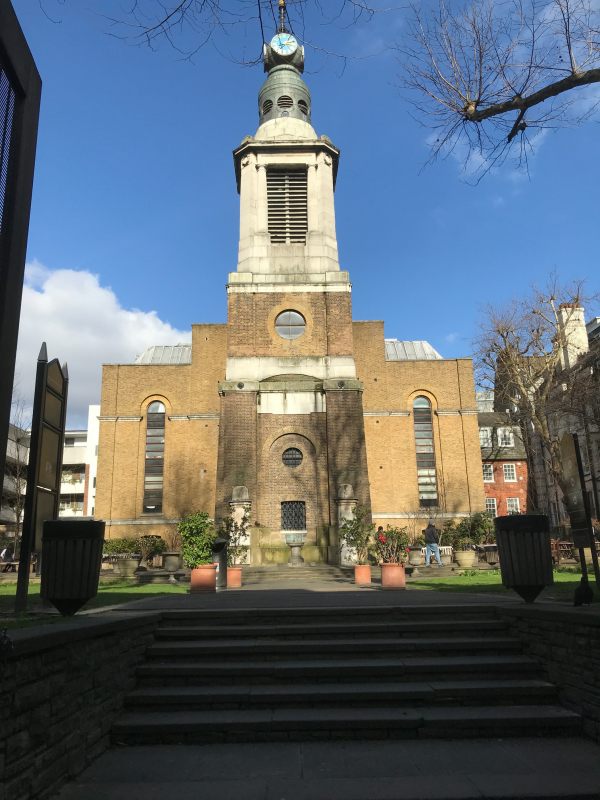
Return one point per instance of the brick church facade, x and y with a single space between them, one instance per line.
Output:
290 407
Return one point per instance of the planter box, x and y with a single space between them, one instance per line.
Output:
525 553
71 560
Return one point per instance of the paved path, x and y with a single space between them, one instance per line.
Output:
367 770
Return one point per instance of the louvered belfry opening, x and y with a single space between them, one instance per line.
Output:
287 205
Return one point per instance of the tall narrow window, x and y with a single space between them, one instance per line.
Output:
426 477
155 458
287 205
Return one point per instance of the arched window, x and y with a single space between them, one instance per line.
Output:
426 476
155 458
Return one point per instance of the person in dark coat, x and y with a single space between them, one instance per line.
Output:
432 544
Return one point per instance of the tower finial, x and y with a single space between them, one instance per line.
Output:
282 16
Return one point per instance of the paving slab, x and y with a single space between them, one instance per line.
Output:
495 769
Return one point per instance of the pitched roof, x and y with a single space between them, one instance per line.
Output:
396 350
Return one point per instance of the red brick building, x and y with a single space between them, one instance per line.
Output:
504 464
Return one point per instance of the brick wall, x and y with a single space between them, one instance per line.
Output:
389 390
190 443
252 324
500 489
237 462
307 482
61 689
567 643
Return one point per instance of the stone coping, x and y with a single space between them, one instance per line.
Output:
583 616
35 640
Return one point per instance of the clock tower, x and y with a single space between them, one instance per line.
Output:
291 433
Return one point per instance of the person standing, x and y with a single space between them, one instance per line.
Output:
432 544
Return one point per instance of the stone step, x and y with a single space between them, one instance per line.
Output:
331 614
335 669
327 723
372 629
278 649
490 692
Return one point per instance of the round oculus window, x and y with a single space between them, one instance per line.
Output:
292 457
290 324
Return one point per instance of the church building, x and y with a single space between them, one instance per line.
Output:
290 409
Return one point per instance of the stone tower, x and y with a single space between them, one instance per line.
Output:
291 419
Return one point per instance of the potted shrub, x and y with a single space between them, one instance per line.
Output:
197 539
465 554
469 532
236 534
126 552
415 554
149 546
356 534
391 548
171 557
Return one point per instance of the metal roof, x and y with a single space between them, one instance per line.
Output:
396 350
166 354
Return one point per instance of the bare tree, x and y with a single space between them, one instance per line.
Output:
190 25
523 353
487 76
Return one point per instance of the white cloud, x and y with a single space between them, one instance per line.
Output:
450 338
84 324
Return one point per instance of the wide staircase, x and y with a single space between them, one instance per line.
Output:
338 673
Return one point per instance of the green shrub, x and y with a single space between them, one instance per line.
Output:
197 539
356 533
121 547
391 545
236 535
150 545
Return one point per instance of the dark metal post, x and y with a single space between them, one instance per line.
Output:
28 527
45 462
588 519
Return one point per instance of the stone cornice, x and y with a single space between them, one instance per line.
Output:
268 146
120 418
189 417
386 413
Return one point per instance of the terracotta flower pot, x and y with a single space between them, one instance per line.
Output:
234 577
393 576
204 578
362 574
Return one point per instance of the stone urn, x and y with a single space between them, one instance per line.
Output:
127 565
416 557
172 561
295 541
466 559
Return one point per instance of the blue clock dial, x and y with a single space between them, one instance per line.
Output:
284 44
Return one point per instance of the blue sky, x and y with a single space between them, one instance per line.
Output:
134 220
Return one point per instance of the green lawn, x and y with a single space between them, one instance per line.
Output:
109 594
490 582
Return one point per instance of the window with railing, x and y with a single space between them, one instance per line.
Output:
155 458
426 471
293 515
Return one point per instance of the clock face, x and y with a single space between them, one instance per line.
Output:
284 44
